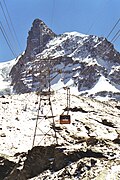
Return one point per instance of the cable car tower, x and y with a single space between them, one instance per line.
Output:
45 132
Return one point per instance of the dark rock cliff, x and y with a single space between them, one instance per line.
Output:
37 39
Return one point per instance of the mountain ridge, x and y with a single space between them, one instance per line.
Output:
70 57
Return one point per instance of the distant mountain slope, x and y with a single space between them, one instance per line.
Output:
73 59
5 80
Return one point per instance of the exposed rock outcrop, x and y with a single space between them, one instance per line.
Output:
52 162
38 37
6 167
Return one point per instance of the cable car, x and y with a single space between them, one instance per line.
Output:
65 119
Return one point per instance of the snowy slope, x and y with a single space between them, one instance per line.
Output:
20 112
103 86
65 44
5 80
93 133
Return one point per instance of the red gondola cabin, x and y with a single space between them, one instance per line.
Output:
65 119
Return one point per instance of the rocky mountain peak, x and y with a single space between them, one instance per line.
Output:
77 60
38 37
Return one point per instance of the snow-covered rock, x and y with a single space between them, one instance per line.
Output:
5 80
87 148
85 62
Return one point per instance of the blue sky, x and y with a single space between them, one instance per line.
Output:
96 17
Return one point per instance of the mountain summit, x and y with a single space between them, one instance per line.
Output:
73 59
38 37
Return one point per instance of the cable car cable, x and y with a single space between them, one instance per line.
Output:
12 25
118 32
7 23
7 42
116 36
6 35
96 19
113 28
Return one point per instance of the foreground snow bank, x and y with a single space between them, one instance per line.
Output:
90 143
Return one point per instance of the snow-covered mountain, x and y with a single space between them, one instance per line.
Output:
87 63
32 145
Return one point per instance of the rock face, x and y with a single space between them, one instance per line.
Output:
82 59
40 159
52 162
38 37
6 167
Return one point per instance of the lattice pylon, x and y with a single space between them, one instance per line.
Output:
45 133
